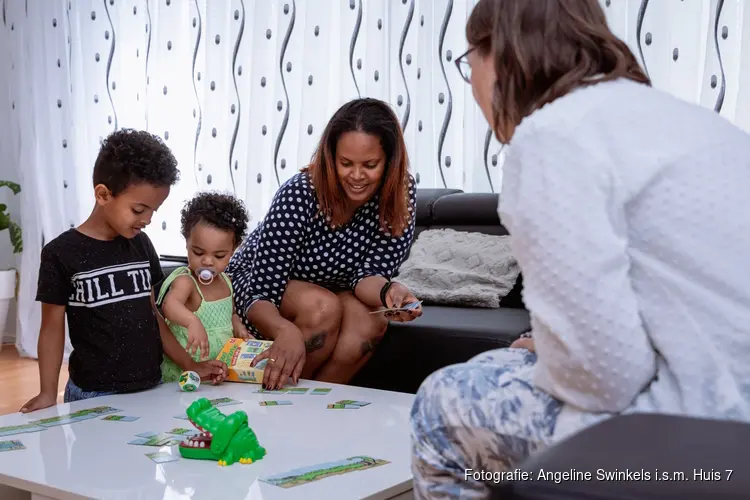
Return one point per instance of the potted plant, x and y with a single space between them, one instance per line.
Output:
8 277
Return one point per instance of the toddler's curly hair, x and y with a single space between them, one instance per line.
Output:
222 211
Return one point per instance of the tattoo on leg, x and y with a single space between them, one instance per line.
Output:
316 342
369 345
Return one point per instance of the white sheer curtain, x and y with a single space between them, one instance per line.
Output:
241 90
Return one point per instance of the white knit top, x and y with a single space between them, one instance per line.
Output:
630 215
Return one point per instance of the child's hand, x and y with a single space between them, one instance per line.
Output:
197 339
39 402
240 332
213 370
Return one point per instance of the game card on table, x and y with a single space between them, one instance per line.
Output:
219 402
78 416
352 402
154 439
297 390
11 445
178 431
19 429
304 475
340 406
120 418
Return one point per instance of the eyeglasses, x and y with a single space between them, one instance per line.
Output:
462 63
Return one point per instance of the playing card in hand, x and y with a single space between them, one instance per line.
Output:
405 308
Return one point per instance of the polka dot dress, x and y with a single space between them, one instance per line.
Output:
296 242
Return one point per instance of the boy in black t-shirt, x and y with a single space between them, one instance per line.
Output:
100 276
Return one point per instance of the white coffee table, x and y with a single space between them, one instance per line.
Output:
91 459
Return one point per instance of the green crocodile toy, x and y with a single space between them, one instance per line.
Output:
226 439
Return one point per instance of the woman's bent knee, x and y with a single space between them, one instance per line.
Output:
320 311
452 395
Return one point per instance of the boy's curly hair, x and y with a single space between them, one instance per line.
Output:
129 157
222 211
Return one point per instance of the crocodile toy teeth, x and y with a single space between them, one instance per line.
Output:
226 439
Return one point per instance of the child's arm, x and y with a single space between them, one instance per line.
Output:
239 329
176 312
213 369
50 349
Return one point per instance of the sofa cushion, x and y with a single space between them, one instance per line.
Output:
442 336
469 212
426 199
455 209
456 268
500 326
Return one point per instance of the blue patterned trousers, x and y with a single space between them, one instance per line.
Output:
482 416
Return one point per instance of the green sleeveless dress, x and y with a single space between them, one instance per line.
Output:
216 317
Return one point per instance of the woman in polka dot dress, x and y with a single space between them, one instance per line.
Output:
323 257
628 212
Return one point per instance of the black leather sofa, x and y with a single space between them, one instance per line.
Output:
442 335
446 335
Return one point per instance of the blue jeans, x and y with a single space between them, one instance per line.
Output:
75 393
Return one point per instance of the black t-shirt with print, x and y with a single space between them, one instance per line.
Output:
106 288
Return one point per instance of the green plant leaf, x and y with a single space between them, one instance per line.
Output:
12 186
14 229
16 237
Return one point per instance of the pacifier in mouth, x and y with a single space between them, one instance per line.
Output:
206 275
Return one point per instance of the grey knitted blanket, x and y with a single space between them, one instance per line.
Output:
455 268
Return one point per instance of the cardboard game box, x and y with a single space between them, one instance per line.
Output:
238 354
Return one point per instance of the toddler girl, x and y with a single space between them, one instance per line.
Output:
197 300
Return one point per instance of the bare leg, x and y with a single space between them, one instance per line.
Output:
360 333
317 313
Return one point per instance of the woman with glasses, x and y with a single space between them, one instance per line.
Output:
628 212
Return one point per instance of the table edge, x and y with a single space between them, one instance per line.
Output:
39 489
392 491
